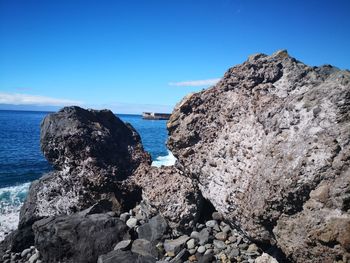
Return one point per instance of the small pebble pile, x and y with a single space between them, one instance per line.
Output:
29 255
211 241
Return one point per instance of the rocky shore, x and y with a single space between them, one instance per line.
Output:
262 176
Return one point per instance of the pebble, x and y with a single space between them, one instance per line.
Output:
132 222
195 235
209 251
191 243
243 246
217 216
25 252
219 244
201 249
192 251
123 245
211 223
226 229
124 217
221 236
232 239
34 257
252 248
192 258
203 236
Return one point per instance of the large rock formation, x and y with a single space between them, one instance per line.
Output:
269 146
93 153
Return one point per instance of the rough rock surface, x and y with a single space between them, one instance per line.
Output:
270 147
93 153
168 192
80 237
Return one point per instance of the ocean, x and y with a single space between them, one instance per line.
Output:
21 160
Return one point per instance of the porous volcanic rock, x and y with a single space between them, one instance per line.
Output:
168 192
270 148
93 153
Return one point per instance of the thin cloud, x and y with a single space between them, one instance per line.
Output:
195 83
25 99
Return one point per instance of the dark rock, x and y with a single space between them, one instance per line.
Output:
92 151
180 257
261 141
206 258
154 229
123 245
80 237
145 248
125 257
174 246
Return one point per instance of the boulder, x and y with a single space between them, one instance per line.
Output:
93 153
154 229
264 144
80 237
170 193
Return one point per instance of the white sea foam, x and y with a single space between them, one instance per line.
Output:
167 160
11 200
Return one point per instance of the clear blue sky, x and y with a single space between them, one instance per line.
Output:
129 55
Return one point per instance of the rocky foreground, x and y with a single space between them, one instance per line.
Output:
262 175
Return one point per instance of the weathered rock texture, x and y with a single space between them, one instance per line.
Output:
77 238
168 192
93 153
270 147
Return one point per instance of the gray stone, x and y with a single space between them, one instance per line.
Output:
131 222
252 248
243 246
192 251
219 244
217 216
145 248
154 229
211 223
234 253
221 236
201 249
173 246
34 257
191 243
195 235
125 257
226 229
209 251
123 245
124 217
25 252
203 236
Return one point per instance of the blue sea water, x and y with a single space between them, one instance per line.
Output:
21 160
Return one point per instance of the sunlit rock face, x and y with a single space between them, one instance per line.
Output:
269 147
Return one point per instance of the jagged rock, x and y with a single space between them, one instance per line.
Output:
93 152
80 237
154 229
272 134
173 246
171 194
125 257
145 248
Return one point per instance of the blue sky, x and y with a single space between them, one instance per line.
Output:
133 56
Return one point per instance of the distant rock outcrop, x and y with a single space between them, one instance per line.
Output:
269 146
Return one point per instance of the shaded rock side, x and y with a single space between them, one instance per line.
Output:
167 191
77 238
268 135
